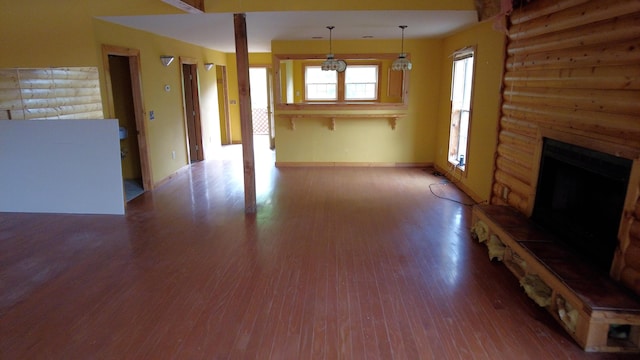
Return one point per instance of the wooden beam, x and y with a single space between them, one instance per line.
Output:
246 126
190 6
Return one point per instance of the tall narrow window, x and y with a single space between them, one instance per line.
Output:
461 89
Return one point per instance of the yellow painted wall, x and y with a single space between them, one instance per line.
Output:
369 140
221 112
43 33
166 133
234 107
485 105
129 7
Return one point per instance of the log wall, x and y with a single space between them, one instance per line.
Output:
572 72
51 93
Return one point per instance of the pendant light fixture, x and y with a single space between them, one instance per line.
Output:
402 63
332 64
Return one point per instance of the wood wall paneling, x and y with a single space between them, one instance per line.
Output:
190 6
572 69
51 93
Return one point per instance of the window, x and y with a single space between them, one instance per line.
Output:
356 83
291 92
361 82
461 89
320 85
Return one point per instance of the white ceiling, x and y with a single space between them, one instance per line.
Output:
216 30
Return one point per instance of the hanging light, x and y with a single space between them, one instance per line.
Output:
402 63
332 64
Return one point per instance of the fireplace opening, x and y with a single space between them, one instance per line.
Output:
580 198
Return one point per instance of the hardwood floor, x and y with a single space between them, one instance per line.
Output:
338 263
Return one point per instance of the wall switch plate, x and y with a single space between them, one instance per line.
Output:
151 115
173 154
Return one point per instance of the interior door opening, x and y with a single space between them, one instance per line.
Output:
192 111
223 108
124 92
261 110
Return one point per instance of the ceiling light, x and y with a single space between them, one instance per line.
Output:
402 63
332 64
166 59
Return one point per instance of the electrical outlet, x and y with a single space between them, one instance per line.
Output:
173 154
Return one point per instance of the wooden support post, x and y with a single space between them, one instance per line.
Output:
246 127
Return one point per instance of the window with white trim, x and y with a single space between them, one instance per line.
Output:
359 82
320 85
461 91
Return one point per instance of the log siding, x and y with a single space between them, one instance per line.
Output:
53 93
572 70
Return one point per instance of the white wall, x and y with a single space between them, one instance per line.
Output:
60 166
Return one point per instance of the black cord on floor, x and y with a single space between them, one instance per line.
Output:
450 181
446 198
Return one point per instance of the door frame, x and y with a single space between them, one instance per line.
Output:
224 104
270 106
272 125
193 64
138 107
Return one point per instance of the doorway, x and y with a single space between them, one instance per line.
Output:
223 108
261 109
124 94
191 105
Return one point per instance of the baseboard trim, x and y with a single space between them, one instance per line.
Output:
171 176
282 164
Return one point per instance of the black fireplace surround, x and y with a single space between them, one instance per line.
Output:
580 197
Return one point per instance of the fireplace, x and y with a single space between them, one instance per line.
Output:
580 197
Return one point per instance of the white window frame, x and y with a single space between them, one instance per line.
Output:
462 74
341 85
375 83
306 85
